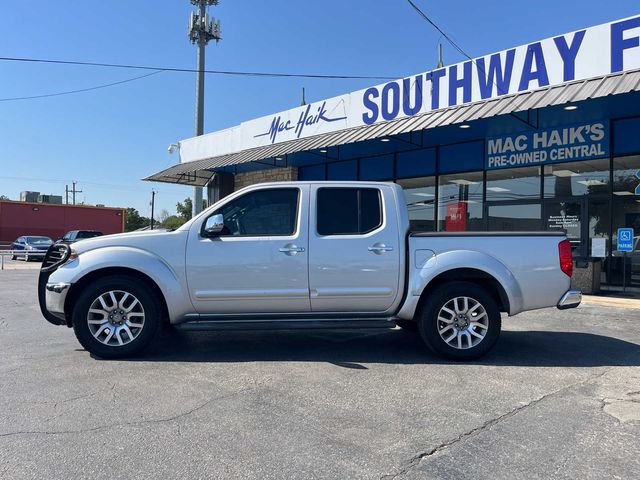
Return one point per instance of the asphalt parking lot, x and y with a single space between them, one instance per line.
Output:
558 397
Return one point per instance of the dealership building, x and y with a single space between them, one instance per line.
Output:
545 136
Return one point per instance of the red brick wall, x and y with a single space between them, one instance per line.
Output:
19 218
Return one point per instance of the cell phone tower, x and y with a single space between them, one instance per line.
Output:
202 30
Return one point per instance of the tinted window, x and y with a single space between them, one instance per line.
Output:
86 234
263 212
348 211
343 170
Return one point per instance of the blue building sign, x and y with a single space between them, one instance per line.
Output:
554 145
625 239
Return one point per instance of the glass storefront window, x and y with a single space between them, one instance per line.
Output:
599 244
513 184
576 178
518 217
626 214
376 168
625 176
343 170
460 202
566 216
420 194
314 172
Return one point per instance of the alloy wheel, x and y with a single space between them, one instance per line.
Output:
462 323
116 318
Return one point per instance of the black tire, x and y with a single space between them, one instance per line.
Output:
428 322
13 257
408 325
146 297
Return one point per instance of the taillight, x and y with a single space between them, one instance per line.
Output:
566 259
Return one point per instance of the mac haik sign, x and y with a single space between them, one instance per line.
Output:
562 144
599 50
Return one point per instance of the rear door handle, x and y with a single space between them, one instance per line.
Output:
291 249
379 248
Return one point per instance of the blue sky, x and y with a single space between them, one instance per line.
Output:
110 138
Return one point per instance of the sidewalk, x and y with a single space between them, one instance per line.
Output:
611 301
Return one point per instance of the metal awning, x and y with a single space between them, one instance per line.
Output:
200 172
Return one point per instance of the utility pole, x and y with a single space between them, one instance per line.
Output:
153 203
201 31
66 194
73 192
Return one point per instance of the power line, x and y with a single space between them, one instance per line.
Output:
88 89
434 25
193 70
465 54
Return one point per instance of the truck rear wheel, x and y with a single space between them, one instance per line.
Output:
460 321
116 317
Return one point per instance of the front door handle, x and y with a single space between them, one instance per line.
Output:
291 249
379 248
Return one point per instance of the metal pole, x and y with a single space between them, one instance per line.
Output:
624 272
200 60
153 201
73 192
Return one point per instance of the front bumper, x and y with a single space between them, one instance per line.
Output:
571 299
51 295
55 296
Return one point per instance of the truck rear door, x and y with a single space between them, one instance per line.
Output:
354 249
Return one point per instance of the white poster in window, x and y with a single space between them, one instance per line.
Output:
599 247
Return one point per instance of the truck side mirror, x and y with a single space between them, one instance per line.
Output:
213 226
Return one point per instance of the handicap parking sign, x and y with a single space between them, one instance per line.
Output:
625 239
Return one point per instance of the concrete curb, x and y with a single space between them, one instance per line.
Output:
611 301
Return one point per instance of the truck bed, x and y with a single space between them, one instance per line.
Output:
486 234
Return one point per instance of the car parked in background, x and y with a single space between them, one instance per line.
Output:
75 235
32 247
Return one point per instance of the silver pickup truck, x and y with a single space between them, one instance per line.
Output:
304 255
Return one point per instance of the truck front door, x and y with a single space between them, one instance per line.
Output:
354 249
259 262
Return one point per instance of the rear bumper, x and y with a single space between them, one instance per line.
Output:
571 299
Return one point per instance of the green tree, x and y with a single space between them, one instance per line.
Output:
172 222
134 221
184 209
4 197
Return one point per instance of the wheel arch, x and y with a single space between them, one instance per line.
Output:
476 276
78 286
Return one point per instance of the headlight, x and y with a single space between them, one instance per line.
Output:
72 256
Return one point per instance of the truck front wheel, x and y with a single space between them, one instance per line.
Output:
116 317
460 321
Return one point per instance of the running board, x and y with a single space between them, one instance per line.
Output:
305 324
